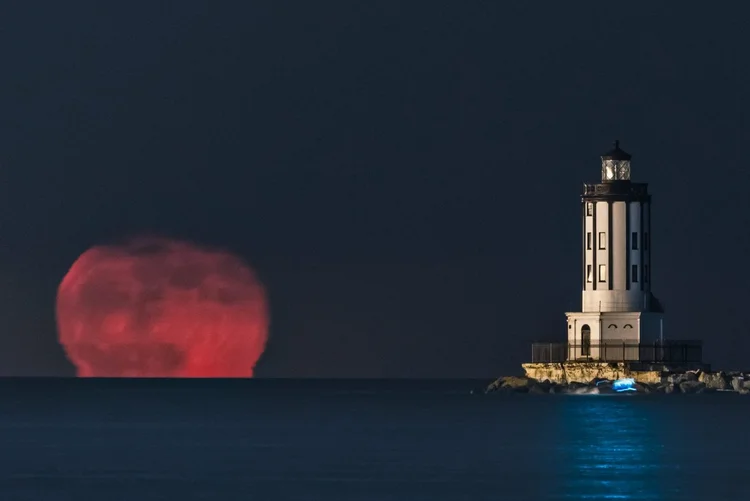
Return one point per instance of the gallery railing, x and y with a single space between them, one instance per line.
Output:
616 188
616 306
671 352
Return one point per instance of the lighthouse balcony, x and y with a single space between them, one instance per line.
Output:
664 352
614 306
616 189
643 302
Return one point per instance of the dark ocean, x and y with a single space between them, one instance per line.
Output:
363 440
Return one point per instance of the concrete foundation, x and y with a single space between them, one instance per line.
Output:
586 372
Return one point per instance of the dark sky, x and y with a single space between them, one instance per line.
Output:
404 177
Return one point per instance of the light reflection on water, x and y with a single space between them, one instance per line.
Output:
610 450
686 447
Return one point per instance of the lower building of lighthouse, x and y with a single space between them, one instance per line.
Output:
620 319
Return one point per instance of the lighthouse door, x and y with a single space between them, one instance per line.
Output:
585 341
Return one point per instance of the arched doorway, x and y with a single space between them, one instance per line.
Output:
585 340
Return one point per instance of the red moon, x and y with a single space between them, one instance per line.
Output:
161 308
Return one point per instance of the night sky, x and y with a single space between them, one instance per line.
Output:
404 177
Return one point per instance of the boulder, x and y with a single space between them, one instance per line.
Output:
565 389
670 388
510 384
558 388
516 382
493 386
738 383
714 381
540 388
642 388
676 378
576 384
647 377
692 386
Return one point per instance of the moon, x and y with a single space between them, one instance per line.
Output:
156 307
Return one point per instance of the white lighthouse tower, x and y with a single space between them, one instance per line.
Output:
618 308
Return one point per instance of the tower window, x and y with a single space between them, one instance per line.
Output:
645 273
634 273
588 240
602 272
602 240
589 208
634 240
646 241
589 274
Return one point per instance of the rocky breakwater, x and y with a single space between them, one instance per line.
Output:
674 383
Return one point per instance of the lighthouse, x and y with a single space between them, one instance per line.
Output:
618 308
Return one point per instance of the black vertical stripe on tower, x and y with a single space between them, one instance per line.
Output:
610 240
648 256
640 247
583 270
628 244
594 248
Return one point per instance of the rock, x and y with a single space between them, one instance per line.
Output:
499 390
516 382
575 385
676 378
553 372
692 386
744 391
646 377
582 372
510 384
493 386
566 389
738 383
689 382
539 388
642 388
715 381
649 388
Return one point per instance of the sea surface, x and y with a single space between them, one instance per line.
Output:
363 440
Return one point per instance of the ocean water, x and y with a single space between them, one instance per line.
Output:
363 440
